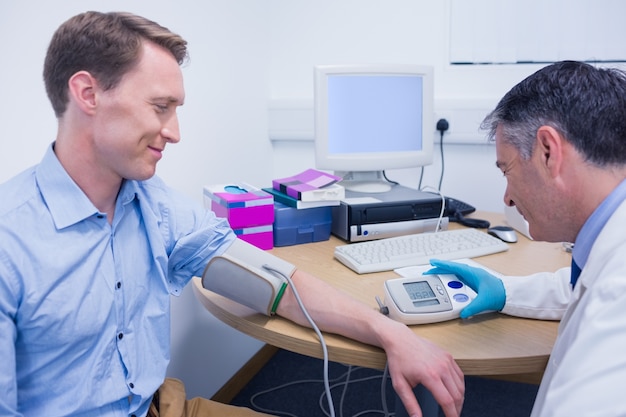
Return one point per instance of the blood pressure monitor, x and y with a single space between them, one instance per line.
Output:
426 298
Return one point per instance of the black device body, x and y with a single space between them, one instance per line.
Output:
456 210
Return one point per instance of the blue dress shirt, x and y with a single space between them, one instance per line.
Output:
84 304
592 228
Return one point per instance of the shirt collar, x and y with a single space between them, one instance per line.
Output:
594 224
67 203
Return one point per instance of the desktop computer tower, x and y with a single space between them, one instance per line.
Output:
400 211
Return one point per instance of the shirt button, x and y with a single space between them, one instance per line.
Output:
119 285
120 336
131 385
100 216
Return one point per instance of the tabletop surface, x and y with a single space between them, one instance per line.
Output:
489 344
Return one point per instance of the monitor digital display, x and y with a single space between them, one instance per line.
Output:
419 290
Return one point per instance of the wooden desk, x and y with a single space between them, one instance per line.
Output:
490 345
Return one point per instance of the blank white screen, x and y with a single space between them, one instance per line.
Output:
374 113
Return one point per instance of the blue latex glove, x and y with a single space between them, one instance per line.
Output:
489 289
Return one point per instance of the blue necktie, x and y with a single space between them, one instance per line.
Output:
575 273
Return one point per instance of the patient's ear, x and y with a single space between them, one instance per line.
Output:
82 88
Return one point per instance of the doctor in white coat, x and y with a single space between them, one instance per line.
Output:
560 141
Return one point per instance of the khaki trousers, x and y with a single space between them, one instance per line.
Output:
173 402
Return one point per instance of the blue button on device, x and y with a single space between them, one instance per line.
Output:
461 298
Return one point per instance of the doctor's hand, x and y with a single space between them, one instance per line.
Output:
490 291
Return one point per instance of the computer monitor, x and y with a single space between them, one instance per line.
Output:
370 118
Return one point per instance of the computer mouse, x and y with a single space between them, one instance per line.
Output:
504 233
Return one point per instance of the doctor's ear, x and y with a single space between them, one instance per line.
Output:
550 149
82 88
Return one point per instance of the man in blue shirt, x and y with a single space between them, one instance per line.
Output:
92 244
561 144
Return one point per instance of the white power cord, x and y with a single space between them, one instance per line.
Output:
443 205
331 406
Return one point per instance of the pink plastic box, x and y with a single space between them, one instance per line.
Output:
246 208
260 236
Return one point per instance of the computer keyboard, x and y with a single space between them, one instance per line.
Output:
417 249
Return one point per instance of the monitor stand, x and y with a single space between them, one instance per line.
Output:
364 182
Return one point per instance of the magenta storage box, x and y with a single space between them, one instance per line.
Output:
260 236
249 211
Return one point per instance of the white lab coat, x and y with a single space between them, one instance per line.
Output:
586 371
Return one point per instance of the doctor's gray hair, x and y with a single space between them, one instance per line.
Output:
585 104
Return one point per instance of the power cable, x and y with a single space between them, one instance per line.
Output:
442 126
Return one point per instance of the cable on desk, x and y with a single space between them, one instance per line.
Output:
469 222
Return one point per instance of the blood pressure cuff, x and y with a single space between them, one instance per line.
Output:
249 276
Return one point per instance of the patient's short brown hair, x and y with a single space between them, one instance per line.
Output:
107 45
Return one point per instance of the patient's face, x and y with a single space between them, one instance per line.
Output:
136 119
